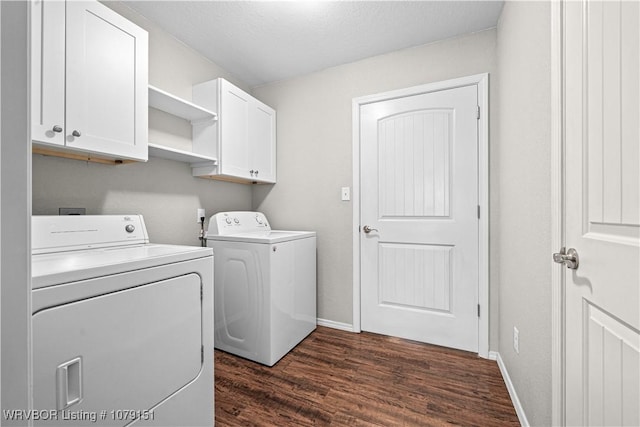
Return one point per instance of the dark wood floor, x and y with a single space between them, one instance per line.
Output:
344 379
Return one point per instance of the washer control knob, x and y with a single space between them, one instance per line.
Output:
130 228
228 220
236 220
258 219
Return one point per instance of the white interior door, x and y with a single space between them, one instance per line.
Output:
419 198
602 222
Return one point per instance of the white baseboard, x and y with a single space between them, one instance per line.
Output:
335 325
494 355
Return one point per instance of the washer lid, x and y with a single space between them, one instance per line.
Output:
264 237
63 267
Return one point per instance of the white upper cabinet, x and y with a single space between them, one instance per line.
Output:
262 134
243 139
89 80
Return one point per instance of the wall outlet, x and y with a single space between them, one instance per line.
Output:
516 340
200 214
346 193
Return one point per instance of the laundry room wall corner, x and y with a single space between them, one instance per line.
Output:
315 150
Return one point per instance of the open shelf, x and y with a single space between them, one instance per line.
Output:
179 107
169 153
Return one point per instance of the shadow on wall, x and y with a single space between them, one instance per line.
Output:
259 194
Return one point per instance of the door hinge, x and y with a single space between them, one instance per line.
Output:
202 354
478 310
201 294
478 211
478 112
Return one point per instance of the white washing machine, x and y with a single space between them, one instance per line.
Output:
122 329
265 286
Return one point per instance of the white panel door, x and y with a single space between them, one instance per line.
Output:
106 80
234 130
419 195
602 218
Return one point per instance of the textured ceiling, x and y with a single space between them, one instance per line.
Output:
265 41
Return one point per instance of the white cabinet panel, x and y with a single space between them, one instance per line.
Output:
243 139
90 81
262 133
47 72
234 130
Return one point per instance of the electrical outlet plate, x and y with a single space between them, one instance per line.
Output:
199 214
516 340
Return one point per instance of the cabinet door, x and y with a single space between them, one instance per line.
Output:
106 78
234 131
262 142
47 71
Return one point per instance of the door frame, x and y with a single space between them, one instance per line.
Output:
482 82
557 213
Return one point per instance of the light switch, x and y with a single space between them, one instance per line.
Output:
346 193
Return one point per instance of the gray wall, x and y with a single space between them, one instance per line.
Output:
525 202
315 149
163 191
15 210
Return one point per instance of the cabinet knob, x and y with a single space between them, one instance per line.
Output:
256 173
76 133
252 172
57 129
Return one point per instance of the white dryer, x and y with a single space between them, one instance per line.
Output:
265 286
121 327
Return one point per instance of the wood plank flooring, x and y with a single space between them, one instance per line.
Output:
336 378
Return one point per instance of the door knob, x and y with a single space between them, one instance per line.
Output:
569 258
368 229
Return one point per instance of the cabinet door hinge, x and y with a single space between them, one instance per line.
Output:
201 354
478 310
478 211
478 113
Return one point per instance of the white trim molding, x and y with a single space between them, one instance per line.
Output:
335 325
482 83
522 417
557 214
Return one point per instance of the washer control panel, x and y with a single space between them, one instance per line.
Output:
225 223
